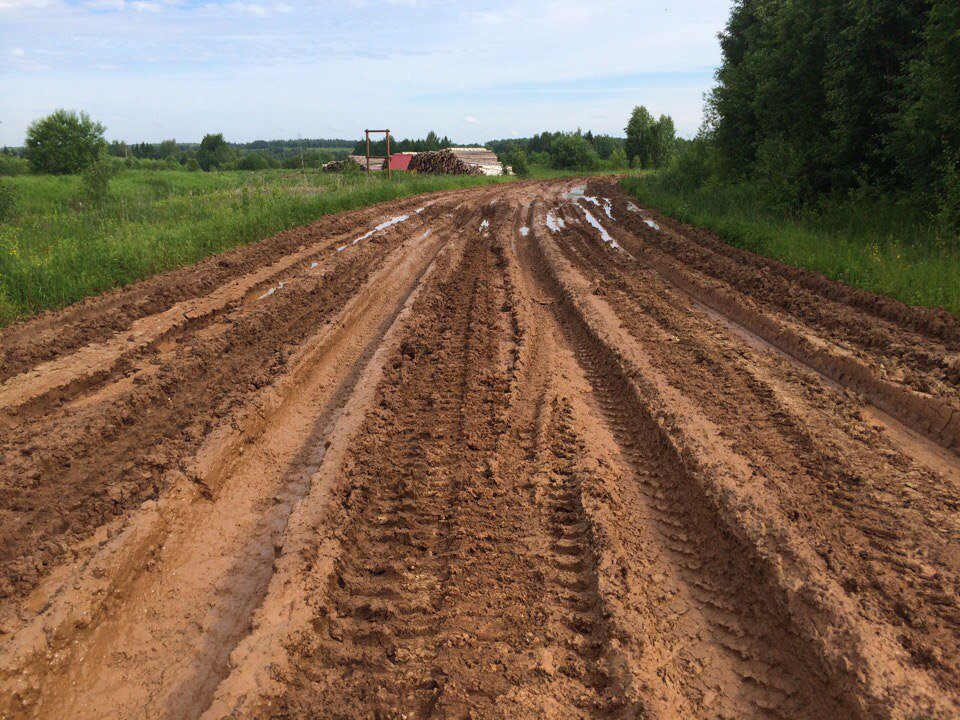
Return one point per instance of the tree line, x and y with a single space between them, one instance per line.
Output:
649 143
836 96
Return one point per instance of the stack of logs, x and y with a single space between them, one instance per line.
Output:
341 165
442 162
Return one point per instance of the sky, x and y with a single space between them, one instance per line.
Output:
150 70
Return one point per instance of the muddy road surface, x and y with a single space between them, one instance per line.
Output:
526 451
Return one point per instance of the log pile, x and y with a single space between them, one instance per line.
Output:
342 165
376 163
442 162
485 159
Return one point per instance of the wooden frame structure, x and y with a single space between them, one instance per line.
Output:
388 150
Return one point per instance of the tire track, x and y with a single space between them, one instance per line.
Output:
800 441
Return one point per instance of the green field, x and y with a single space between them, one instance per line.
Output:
874 245
55 249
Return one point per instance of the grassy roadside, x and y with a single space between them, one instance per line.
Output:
56 250
886 249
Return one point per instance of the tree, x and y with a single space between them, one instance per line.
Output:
517 159
650 143
168 149
64 142
664 138
214 152
640 136
618 159
572 151
254 161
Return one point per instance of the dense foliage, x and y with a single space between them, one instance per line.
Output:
650 143
64 142
833 96
542 144
379 147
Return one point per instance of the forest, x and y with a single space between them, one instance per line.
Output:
834 98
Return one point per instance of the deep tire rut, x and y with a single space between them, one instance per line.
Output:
522 451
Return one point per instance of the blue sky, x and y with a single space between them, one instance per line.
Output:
156 69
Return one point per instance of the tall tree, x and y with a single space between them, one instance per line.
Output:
64 142
641 133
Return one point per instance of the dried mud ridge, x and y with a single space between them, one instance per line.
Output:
528 451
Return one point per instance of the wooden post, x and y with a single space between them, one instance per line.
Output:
368 152
389 177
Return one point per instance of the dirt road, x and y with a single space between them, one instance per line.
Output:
526 451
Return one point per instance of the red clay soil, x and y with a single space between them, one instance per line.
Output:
530 451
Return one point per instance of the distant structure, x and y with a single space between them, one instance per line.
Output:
401 160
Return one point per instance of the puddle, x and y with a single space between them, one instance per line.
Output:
650 223
382 226
575 193
271 291
608 208
342 248
604 235
313 265
524 231
590 199
554 223
485 224
419 210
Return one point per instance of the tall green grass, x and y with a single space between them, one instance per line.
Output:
56 249
871 244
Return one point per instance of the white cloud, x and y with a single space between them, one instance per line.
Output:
17 52
522 67
17 5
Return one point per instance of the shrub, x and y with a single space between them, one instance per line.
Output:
691 167
573 152
948 216
96 181
618 159
517 159
9 203
254 161
12 165
781 175
64 142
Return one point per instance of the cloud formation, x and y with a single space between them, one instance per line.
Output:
152 69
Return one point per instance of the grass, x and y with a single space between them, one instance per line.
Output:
56 250
873 245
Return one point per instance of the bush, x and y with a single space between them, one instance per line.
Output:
517 159
12 165
254 161
96 181
64 143
314 159
618 159
573 152
780 173
192 165
214 152
691 167
948 216
9 203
